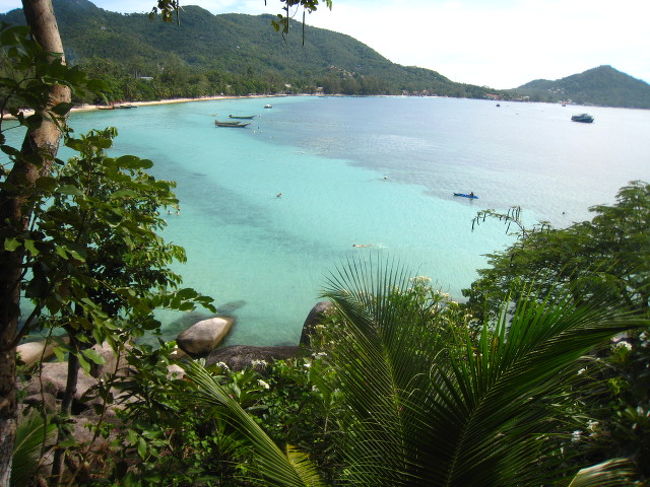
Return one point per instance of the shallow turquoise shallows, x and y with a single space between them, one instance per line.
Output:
375 171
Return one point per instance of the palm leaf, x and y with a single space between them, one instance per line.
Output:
304 467
291 470
383 359
31 434
612 473
432 406
511 383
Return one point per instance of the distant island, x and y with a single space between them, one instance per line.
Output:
238 54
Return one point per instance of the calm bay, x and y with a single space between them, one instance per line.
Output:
376 172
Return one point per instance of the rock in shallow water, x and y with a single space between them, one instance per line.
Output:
202 337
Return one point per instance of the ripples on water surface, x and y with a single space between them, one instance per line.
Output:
263 258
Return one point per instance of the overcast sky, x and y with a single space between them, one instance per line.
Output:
498 43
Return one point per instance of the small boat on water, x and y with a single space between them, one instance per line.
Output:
583 118
231 124
242 117
126 107
268 106
471 196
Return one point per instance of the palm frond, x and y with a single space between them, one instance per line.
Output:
612 473
434 407
31 434
381 358
304 467
513 381
275 467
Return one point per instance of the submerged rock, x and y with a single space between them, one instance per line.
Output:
202 337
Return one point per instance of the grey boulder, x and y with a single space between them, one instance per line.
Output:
239 357
315 317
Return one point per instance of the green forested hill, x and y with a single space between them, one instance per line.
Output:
231 52
603 85
238 54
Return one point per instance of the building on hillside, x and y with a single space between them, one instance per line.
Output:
493 96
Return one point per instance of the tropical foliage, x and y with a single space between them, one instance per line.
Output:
404 387
99 269
421 400
170 437
610 256
89 256
35 78
400 389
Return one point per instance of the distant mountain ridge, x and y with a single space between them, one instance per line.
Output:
603 86
236 43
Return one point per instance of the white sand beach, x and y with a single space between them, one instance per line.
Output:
88 108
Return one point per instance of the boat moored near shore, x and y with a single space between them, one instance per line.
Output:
231 124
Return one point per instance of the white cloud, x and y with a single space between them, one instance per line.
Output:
502 44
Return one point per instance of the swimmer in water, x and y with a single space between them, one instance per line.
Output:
279 195
361 245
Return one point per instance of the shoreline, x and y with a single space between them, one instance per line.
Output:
167 101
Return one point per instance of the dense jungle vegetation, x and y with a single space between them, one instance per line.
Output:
541 378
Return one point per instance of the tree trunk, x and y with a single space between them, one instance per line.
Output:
66 407
41 145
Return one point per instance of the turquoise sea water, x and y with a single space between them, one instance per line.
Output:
264 258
